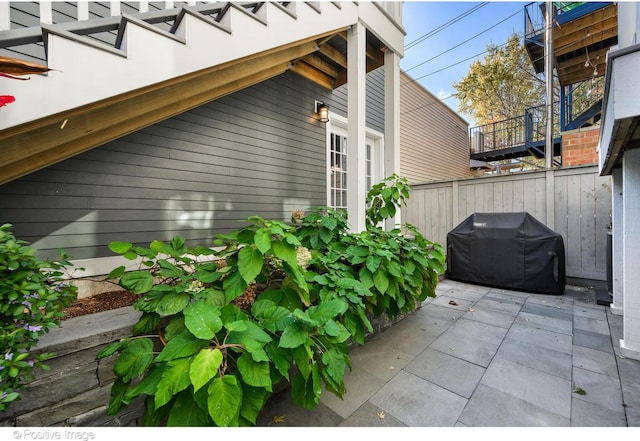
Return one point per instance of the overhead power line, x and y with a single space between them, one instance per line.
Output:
438 101
464 42
444 26
417 41
451 65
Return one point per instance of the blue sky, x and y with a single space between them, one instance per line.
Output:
437 61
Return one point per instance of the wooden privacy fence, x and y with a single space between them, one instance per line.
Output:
575 202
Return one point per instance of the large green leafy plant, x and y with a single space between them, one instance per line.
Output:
33 294
277 302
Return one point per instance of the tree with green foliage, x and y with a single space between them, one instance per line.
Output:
502 85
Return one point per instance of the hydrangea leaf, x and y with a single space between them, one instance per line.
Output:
225 400
175 378
204 367
202 319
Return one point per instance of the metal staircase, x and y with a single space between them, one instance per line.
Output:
512 138
112 75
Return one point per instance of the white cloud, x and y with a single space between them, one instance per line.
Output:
442 94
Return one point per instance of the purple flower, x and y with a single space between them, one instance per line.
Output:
8 356
32 328
31 363
27 303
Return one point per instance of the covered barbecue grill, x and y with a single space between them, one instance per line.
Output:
508 250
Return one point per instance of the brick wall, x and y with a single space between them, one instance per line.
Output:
579 146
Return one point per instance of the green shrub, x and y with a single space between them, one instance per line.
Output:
278 302
33 294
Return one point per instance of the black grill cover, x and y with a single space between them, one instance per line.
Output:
508 250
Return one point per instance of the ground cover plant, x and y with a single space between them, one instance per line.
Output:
33 294
274 302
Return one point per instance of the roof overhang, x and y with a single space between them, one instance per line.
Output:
133 98
621 107
39 143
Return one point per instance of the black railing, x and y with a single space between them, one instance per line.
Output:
533 20
534 15
527 129
582 96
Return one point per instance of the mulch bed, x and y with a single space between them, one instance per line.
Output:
100 302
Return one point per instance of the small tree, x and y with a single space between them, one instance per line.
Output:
502 85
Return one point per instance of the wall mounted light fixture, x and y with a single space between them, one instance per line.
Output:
322 110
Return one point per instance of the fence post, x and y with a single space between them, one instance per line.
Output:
454 203
550 198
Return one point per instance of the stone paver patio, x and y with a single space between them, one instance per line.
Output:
485 357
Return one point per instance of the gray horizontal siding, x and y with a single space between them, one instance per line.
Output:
256 152
374 118
375 100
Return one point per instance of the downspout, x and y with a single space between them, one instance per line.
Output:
548 73
564 109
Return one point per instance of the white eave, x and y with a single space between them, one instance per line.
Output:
621 107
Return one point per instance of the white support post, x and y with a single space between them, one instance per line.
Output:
392 122
5 16
83 11
46 13
618 243
115 9
356 109
630 343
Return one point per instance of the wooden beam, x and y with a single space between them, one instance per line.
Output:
596 57
334 55
575 74
38 144
313 74
321 65
571 41
85 135
584 23
374 64
372 52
